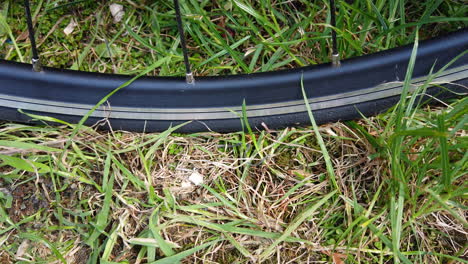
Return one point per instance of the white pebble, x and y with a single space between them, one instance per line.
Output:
117 12
186 184
196 178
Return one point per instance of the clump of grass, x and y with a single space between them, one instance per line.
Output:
223 36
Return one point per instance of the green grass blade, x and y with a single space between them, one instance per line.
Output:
27 146
102 217
180 256
323 148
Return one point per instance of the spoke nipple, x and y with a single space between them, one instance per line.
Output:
189 78
336 60
36 65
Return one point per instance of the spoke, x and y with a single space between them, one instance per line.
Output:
335 54
36 63
188 72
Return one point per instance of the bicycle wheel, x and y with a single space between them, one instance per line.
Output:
362 85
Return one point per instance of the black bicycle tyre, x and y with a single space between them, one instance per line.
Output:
363 85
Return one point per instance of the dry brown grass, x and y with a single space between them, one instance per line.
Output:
248 193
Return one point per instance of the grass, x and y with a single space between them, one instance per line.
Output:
386 189
223 36
119 197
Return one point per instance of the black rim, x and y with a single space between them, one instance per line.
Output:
75 87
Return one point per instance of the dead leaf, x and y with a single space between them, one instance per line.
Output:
337 258
23 36
71 26
23 247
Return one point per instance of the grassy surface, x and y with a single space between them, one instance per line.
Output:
384 190
388 189
223 36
